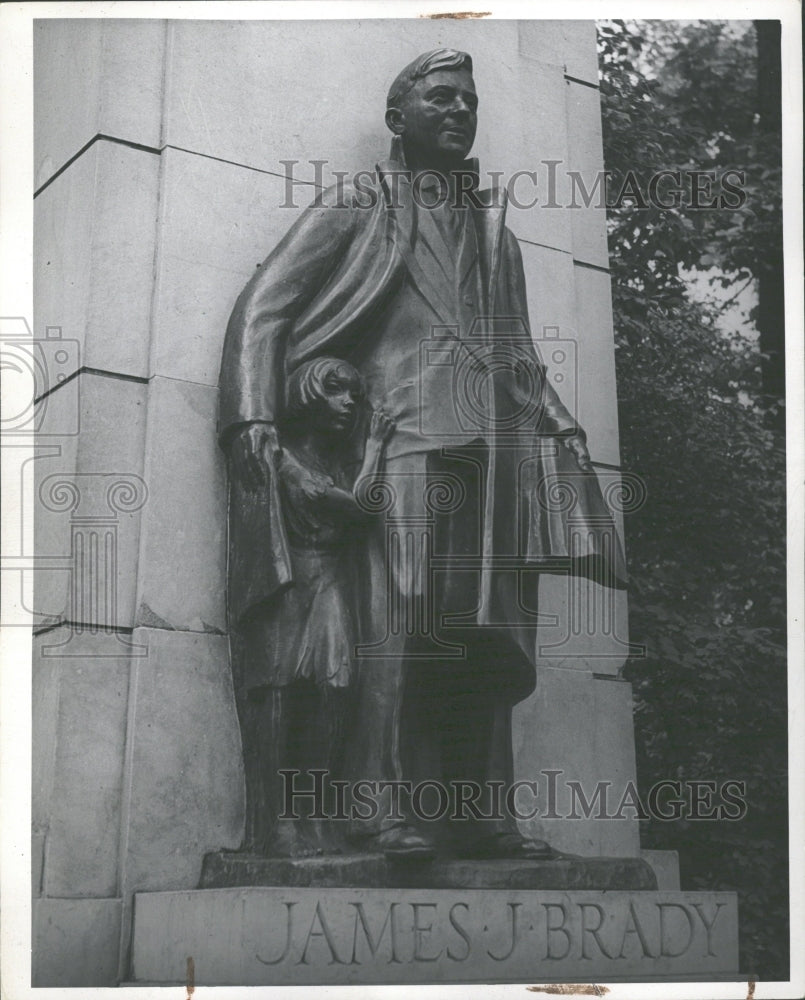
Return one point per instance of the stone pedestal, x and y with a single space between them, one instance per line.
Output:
228 869
298 936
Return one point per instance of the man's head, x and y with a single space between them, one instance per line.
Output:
433 106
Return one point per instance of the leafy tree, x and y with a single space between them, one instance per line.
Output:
704 97
700 421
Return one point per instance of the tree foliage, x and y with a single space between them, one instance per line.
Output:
707 551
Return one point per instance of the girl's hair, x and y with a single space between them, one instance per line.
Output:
306 385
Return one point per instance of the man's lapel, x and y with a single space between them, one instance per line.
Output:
489 218
490 223
468 252
395 180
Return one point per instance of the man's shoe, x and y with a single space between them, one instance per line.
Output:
404 843
508 846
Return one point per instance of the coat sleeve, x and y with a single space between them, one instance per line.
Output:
590 546
556 418
251 388
252 364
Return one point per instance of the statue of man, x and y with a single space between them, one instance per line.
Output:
412 276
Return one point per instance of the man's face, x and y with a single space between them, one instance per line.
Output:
438 118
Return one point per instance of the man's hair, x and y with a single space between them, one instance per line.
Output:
421 66
306 384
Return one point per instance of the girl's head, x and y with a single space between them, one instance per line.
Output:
324 394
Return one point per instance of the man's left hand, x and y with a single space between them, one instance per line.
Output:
577 446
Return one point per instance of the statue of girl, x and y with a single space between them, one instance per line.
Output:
298 659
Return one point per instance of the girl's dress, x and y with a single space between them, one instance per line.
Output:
307 632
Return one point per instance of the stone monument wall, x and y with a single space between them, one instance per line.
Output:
159 154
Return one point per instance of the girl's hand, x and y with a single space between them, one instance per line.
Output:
382 427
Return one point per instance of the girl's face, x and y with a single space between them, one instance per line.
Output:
339 408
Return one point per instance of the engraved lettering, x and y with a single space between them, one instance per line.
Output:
665 949
462 932
592 932
374 943
632 926
514 934
708 924
325 933
560 928
420 932
288 936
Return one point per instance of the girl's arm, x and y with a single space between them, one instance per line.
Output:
362 499
368 492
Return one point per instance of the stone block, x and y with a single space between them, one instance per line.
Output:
551 291
134 55
615 758
184 780
552 730
48 587
87 503
75 942
67 75
218 222
218 69
192 309
45 683
587 212
557 730
38 840
591 630
181 580
534 155
666 867
80 805
280 936
95 244
63 222
569 44
95 76
598 397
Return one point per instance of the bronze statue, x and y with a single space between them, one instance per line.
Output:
298 661
414 279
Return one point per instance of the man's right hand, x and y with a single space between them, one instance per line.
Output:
252 448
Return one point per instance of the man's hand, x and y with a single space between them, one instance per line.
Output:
250 452
577 446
